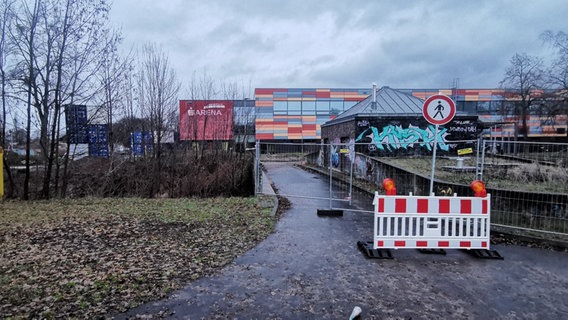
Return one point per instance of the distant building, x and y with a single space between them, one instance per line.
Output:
206 120
297 114
219 121
390 122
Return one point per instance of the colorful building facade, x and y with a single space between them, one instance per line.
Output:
297 113
496 106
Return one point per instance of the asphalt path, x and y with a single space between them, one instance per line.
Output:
310 268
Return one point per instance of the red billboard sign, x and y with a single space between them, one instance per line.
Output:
206 120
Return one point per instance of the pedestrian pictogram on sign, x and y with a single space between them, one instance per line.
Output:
439 109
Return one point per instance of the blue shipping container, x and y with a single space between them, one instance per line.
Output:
141 143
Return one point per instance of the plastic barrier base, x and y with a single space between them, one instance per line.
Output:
433 251
485 254
367 248
330 213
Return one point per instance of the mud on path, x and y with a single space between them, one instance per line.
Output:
310 268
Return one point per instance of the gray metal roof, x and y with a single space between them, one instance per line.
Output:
390 102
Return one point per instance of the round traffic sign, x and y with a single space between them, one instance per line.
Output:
439 109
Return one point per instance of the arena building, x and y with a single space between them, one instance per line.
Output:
298 114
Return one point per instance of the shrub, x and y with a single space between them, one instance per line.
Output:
534 172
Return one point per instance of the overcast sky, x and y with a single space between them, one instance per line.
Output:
342 43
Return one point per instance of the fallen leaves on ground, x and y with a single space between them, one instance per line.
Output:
92 258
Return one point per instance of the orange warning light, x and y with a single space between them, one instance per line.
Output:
388 185
478 188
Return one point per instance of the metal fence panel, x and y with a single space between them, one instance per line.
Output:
528 181
332 161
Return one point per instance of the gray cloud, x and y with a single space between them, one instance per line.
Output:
338 43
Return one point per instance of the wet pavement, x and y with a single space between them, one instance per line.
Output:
310 268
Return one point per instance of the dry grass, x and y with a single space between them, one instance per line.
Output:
91 258
533 172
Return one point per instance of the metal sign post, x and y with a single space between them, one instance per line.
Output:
438 109
330 174
434 161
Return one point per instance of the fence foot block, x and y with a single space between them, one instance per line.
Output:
485 254
433 251
330 213
367 248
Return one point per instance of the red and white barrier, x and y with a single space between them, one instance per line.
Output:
421 222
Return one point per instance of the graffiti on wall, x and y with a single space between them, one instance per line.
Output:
334 156
463 126
335 152
396 137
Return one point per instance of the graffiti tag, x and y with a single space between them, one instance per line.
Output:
396 137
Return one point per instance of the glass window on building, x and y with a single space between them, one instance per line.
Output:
459 105
539 109
348 104
470 107
322 107
484 107
335 107
295 108
496 106
308 108
280 107
510 108
243 111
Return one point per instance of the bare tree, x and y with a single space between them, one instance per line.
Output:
207 90
23 38
238 122
6 18
558 72
524 76
202 87
159 90
243 113
60 44
114 79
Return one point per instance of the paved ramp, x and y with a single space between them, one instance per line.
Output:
310 268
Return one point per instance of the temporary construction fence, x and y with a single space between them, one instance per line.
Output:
321 158
527 180
431 224
350 165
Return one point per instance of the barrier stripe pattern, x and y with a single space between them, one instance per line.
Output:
455 244
431 222
433 205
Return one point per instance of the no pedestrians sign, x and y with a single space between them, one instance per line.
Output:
439 109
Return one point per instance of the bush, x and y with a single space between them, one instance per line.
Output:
177 174
534 172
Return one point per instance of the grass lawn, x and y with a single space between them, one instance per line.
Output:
91 258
